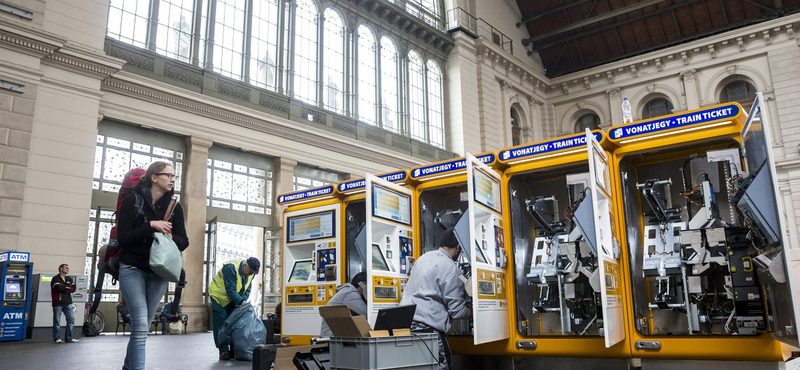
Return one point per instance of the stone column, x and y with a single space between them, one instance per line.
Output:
690 88
534 129
284 183
193 199
615 102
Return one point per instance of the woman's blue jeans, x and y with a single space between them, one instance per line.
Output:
142 292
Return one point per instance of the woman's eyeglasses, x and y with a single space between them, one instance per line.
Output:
170 175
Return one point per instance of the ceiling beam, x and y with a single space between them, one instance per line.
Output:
536 48
533 17
600 18
759 5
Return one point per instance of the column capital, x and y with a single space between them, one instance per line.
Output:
197 143
613 92
285 162
688 74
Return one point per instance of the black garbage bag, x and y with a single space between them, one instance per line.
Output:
244 330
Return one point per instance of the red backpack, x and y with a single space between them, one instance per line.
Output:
113 251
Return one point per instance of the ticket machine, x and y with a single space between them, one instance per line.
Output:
15 277
705 235
465 194
311 255
353 195
568 289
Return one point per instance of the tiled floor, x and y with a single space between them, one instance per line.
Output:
168 352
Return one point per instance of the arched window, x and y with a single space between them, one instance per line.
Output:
516 130
435 107
333 69
740 92
416 96
264 44
657 107
366 75
305 51
229 38
389 95
590 121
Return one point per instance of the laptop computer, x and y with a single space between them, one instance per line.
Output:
399 317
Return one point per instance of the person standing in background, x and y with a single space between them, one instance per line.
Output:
61 288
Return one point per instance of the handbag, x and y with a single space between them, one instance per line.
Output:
165 257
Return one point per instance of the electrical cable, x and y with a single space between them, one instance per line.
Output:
435 357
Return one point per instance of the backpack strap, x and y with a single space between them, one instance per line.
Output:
139 204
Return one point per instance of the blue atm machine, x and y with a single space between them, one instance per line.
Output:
15 300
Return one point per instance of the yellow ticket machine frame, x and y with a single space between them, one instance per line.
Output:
546 248
448 194
385 257
312 255
693 295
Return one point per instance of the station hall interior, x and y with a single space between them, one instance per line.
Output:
252 99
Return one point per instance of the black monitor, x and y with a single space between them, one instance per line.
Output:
399 317
378 261
300 271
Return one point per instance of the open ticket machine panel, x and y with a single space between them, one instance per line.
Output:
311 263
604 241
485 244
389 247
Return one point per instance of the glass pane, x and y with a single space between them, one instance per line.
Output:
87 267
256 209
333 70
116 164
229 37
95 185
111 187
305 53
264 44
174 34
161 152
255 190
240 168
257 172
366 76
98 162
222 184
141 147
239 207
416 91
179 173
208 182
90 238
222 164
101 139
119 143
106 215
220 204
140 161
389 115
435 104
239 187
104 234
127 21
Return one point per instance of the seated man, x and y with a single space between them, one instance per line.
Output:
167 317
351 295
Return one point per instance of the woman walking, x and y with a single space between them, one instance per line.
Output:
140 286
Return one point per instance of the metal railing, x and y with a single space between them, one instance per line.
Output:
459 19
416 9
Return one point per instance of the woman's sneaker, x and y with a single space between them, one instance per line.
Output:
59 341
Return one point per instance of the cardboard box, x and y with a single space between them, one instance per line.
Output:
284 356
343 324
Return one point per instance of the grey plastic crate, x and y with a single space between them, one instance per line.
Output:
418 351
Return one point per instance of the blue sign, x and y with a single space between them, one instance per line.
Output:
667 123
306 194
547 147
361 184
15 256
442 168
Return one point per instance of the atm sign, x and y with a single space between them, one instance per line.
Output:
14 257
